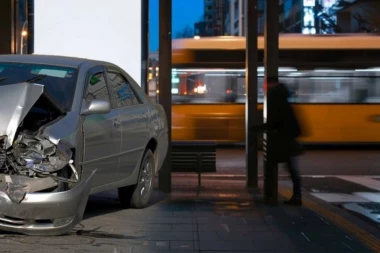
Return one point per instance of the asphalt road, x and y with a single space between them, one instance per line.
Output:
313 162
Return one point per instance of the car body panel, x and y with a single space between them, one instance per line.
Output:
134 122
19 99
160 132
102 141
101 133
33 215
157 123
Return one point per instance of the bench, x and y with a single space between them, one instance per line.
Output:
193 156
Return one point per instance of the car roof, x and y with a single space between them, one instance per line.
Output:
54 60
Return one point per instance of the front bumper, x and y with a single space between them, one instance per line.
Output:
45 213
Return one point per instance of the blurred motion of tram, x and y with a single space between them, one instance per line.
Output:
334 82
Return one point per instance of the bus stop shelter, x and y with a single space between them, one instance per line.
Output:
13 34
251 112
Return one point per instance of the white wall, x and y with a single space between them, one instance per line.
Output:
108 30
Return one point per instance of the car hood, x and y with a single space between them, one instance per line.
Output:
17 100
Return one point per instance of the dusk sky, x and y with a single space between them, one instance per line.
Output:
185 12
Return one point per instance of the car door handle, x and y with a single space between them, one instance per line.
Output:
116 123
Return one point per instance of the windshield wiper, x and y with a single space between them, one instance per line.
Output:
35 79
3 78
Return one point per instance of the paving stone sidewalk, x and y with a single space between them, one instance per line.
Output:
221 217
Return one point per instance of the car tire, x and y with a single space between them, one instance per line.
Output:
138 196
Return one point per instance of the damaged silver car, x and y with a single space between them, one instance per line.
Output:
69 128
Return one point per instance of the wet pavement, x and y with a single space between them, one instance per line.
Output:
220 217
326 175
333 185
357 194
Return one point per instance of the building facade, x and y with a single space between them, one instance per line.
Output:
235 18
214 17
361 17
201 29
291 16
330 16
310 16
235 22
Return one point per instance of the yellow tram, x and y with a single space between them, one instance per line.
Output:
334 81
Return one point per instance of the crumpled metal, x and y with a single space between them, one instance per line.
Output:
14 190
17 100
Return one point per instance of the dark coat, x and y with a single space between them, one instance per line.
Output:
282 127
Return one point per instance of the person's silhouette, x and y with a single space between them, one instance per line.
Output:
284 129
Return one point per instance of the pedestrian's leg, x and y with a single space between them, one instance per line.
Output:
292 166
293 169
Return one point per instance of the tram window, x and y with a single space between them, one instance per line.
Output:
336 87
208 86
305 86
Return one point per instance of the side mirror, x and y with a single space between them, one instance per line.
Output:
97 106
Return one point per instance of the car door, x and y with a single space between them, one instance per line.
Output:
133 116
102 133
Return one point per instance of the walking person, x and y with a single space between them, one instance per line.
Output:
284 128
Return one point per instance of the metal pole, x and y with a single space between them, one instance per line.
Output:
7 27
145 45
30 11
241 17
165 95
23 34
15 25
251 111
271 78
232 17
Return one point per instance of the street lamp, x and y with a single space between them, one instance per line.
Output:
24 33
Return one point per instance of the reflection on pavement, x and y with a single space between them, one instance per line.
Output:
369 210
358 194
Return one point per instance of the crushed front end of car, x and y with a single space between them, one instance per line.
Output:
40 189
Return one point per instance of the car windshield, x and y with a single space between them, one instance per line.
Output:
59 81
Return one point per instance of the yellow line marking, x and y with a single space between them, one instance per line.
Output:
368 239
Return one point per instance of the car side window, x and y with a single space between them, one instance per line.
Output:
97 87
122 91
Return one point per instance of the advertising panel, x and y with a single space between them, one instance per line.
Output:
96 29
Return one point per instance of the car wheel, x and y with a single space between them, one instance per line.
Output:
139 195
